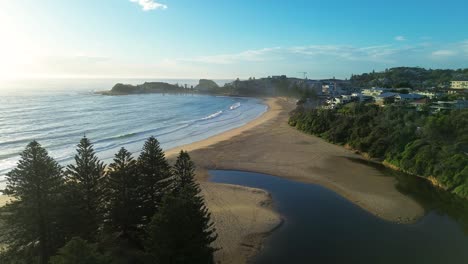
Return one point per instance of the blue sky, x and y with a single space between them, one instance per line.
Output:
228 39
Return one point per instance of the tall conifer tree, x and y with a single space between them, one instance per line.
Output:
122 195
184 173
85 180
33 233
181 231
79 251
154 174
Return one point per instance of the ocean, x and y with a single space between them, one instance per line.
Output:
59 113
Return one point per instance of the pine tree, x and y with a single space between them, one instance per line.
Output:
181 231
184 173
33 233
79 251
85 180
154 174
122 195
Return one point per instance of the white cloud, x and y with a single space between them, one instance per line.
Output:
245 56
444 53
351 53
148 5
400 38
381 53
321 60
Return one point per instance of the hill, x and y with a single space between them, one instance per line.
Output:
409 77
147 87
207 86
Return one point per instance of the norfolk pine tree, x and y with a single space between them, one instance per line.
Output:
79 251
154 173
85 180
182 231
36 184
123 208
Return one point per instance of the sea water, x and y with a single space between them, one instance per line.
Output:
59 114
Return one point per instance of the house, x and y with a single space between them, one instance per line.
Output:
429 94
408 97
329 88
457 91
418 104
374 92
279 77
449 105
459 85
382 98
360 97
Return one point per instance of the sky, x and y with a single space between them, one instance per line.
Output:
223 39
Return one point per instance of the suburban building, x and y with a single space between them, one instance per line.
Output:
459 84
407 97
279 77
374 92
449 105
360 97
396 97
429 94
419 104
328 89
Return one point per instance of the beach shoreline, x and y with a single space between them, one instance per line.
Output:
269 145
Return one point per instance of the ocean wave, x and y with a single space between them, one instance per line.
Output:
110 126
235 106
123 136
213 115
142 135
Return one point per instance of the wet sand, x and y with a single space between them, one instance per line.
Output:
243 218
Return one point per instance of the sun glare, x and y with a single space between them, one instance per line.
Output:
17 51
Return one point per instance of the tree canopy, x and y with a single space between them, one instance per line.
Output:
127 213
432 146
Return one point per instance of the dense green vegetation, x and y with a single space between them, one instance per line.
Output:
409 77
432 146
204 86
207 86
269 87
147 87
137 211
251 87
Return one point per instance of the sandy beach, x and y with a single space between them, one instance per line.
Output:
269 145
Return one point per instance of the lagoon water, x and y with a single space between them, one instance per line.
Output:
58 117
322 227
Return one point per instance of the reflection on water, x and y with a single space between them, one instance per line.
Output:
322 227
430 197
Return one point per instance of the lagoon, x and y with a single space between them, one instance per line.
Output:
322 227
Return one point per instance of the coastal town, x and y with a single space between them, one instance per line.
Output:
333 93
437 99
